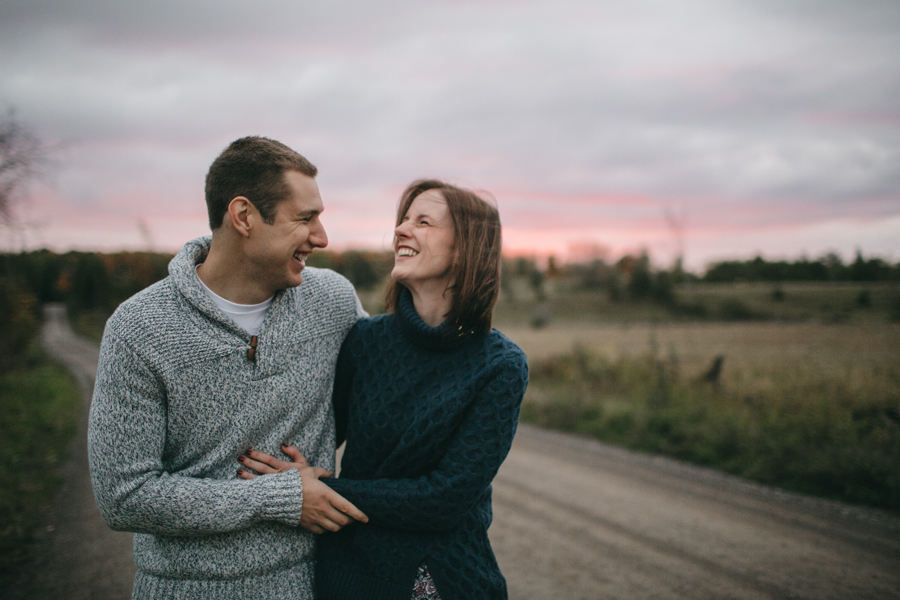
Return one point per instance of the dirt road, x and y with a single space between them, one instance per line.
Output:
573 519
79 558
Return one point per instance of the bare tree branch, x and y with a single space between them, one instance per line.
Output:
22 160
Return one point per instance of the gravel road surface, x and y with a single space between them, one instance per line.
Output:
573 519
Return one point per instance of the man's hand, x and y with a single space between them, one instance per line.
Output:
323 508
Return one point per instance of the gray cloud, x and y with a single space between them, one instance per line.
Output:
751 104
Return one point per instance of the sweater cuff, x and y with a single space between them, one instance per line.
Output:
282 497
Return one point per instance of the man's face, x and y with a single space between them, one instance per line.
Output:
278 252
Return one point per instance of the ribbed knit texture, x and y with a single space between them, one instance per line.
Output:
429 415
177 400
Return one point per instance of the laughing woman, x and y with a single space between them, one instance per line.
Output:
428 399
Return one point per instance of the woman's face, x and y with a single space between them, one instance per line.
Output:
424 245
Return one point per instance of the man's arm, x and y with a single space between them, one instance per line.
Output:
126 439
440 499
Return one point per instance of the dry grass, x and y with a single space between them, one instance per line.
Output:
756 354
809 407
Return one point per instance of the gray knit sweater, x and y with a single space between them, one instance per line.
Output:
177 400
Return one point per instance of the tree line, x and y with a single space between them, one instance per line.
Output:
92 282
829 267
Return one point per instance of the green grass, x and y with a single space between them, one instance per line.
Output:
89 324
40 403
804 432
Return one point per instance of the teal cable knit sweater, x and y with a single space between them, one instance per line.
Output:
429 415
177 400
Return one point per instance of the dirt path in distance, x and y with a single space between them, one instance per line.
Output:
78 556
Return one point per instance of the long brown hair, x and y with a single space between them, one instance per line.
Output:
476 268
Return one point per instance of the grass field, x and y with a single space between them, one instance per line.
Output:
39 403
839 302
808 406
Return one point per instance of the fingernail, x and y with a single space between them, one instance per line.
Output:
240 471
241 458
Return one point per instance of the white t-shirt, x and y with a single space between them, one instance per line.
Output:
248 316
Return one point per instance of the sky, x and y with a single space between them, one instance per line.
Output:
711 128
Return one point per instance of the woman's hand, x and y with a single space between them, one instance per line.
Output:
323 508
264 464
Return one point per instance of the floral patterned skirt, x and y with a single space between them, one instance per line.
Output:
423 588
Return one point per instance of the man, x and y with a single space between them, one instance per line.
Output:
229 352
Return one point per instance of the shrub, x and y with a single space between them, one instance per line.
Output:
18 325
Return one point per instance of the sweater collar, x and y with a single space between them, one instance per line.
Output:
445 336
182 270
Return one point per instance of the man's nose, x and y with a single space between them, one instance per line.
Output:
317 236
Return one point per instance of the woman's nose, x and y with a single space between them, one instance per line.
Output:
401 230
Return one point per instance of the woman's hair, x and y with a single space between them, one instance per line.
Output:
476 267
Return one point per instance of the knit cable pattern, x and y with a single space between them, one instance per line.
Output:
428 420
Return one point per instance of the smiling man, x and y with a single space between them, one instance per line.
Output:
234 350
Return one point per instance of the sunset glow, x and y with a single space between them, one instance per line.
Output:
716 129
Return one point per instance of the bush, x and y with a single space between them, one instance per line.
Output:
18 325
40 405
734 309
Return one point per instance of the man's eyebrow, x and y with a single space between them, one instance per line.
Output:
307 213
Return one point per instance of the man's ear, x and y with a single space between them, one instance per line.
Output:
239 211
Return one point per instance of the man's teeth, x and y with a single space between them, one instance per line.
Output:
406 252
300 257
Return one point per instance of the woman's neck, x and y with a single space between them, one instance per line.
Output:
432 301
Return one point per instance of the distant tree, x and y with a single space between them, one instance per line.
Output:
364 268
22 157
506 278
826 268
89 289
640 279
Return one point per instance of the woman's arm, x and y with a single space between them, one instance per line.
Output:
439 500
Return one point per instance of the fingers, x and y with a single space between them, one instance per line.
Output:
260 466
324 508
294 453
319 472
345 507
245 475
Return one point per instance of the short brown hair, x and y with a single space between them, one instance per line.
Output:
252 167
476 268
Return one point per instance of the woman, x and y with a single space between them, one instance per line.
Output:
428 399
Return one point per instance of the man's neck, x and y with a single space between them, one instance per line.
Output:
227 274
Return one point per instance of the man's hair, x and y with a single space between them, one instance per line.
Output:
252 167
476 267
